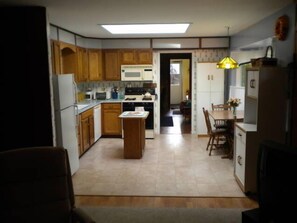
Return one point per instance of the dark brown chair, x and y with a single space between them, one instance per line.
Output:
36 186
219 124
217 137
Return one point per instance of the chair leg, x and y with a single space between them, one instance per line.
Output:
208 143
211 147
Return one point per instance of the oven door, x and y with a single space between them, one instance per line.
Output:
148 106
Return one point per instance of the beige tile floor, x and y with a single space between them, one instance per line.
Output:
172 165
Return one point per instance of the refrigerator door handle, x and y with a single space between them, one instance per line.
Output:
75 92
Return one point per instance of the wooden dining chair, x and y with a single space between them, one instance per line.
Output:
217 137
219 124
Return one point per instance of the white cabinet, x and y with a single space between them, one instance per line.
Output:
265 118
210 89
240 137
252 83
245 156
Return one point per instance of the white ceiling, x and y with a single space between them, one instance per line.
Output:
207 17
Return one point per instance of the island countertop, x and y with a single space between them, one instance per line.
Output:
134 114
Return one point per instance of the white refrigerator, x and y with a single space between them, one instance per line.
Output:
65 117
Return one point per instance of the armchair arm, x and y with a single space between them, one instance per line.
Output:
78 215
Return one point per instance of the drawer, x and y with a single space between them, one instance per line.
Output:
87 113
240 135
111 106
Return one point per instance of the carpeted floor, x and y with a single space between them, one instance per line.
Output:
164 215
166 121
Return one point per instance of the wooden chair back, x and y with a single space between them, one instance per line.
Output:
220 107
207 121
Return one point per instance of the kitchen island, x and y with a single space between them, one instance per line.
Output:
134 133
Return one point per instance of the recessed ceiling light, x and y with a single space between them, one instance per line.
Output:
147 28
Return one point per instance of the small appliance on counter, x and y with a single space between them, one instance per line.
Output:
89 94
101 95
114 93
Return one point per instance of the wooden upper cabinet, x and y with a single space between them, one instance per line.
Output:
144 56
135 56
95 65
82 64
56 57
68 59
112 66
128 57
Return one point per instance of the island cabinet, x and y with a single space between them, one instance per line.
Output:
134 133
82 64
111 123
86 130
95 64
135 56
265 118
112 66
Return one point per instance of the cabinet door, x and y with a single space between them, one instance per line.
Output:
56 57
240 149
203 77
85 134
127 57
252 84
144 57
95 64
69 59
210 89
91 129
82 65
112 65
111 123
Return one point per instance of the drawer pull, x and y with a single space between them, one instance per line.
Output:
239 134
239 159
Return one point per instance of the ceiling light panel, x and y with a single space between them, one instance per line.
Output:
147 28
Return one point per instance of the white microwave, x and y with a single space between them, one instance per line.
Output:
136 72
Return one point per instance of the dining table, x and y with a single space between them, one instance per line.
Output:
226 115
229 117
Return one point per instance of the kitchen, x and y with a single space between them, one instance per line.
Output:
156 69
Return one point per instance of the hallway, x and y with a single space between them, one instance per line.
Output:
181 125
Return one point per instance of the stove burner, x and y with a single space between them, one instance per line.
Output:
130 99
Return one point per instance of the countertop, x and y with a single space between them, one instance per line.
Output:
134 114
92 103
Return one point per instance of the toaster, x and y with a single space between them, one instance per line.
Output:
101 95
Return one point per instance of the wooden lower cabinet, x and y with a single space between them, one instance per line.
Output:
111 123
86 130
134 137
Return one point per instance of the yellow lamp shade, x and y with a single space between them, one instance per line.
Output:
227 63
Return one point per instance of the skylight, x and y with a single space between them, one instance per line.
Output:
147 28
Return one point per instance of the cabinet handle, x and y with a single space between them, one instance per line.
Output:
239 134
252 83
239 158
212 77
208 77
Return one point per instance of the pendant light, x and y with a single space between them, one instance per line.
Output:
227 62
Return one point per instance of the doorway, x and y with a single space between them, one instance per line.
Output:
175 87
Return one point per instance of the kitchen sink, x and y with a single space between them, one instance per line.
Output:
82 106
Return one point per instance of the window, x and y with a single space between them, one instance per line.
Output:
175 77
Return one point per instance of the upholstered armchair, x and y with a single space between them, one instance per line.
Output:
36 186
